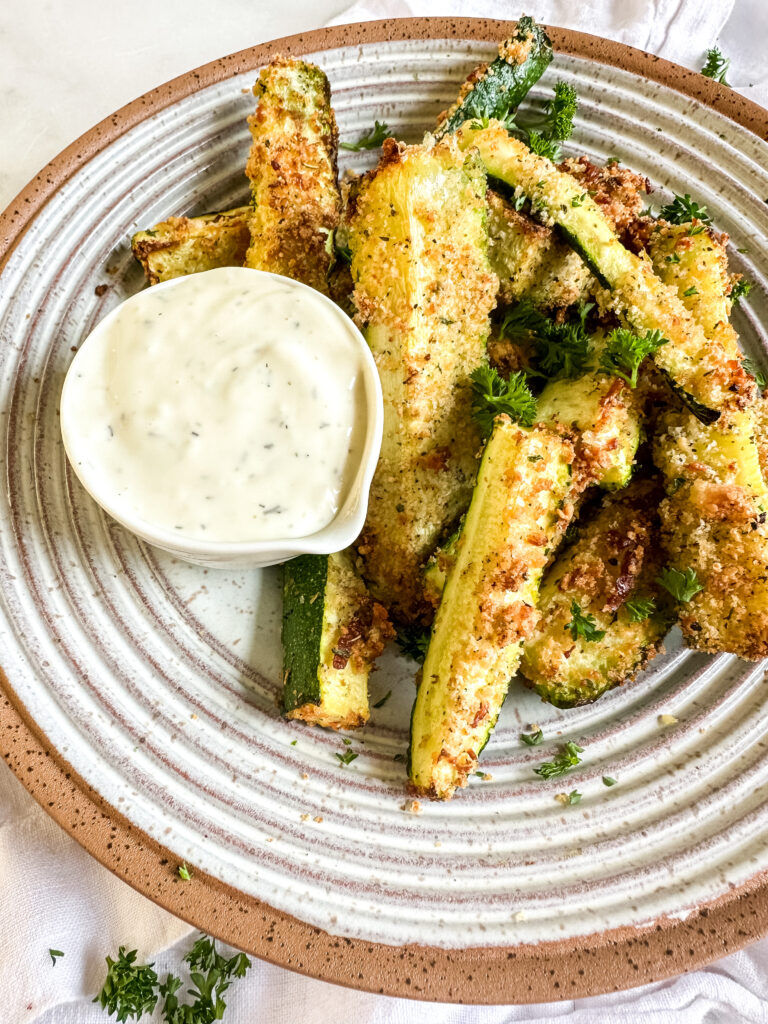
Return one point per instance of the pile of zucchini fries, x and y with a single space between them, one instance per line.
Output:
574 454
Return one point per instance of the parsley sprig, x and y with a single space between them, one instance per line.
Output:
640 608
492 396
532 739
413 642
560 350
681 585
583 625
716 66
567 758
544 132
740 290
372 140
130 989
683 209
625 351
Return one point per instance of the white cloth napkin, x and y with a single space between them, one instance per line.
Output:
52 894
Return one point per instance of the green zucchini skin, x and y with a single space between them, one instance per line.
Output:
304 583
498 89
332 632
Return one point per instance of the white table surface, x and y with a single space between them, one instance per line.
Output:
65 65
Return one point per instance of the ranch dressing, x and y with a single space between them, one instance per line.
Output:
224 406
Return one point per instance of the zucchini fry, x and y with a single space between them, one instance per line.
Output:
332 633
187 245
593 633
423 293
714 522
295 202
707 377
488 607
498 88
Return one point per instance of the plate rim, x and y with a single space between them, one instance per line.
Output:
611 960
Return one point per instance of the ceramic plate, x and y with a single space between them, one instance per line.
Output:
141 693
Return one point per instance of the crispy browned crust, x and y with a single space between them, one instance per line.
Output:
617 190
292 168
716 526
187 245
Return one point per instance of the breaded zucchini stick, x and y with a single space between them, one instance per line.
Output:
597 629
488 606
714 522
423 290
187 245
708 377
295 203
333 631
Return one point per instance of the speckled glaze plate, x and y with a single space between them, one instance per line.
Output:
140 704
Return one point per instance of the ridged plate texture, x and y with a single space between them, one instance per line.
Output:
158 681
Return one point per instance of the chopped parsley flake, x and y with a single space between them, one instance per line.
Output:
584 626
681 585
562 762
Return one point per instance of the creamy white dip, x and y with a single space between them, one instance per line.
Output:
224 406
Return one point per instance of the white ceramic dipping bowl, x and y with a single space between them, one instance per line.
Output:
337 535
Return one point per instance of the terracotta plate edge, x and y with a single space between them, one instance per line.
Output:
575 968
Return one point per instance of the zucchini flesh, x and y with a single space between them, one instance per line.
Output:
295 201
615 559
423 294
714 522
332 633
498 88
187 245
708 378
488 606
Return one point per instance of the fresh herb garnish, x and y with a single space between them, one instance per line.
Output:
716 66
608 781
582 625
681 585
347 757
640 609
683 209
129 989
625 351
693 290
372 140
561 763
384 699
560 350
413 642
574 797
211 975
492 396
184 872
754 371
674 258
740 290
579 200
54 954
532 739
545 132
